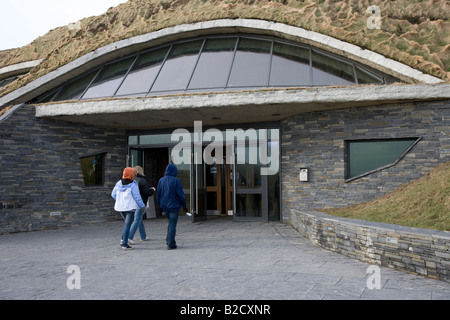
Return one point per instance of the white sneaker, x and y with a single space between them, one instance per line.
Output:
146 239
129 241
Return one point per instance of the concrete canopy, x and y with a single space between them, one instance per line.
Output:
233 107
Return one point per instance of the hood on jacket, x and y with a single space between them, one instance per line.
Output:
124 184
171 170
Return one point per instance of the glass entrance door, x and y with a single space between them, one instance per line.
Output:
197 188
245 184
250 190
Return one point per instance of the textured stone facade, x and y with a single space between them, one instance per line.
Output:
420 251
41 176
317 141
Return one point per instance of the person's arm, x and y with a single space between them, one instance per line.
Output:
137 195
114 192
180 195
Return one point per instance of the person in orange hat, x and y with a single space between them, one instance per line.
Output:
128 199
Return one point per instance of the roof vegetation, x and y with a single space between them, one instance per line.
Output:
414 32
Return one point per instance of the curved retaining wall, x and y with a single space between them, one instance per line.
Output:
421 251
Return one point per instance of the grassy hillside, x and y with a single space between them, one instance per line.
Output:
423 203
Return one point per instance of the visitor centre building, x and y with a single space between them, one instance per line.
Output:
263 120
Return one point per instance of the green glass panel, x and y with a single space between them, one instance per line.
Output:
365 156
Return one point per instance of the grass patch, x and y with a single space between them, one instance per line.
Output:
423 203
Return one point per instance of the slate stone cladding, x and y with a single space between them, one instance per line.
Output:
420 251
41 176
317 141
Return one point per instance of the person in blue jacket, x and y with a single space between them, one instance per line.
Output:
170 197
128 199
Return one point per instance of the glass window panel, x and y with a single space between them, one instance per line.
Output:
330 71
143 73
365 77
177 70
106 83
92 169
365 156
132 140
248 176
290 66
214 64
7 81
251 64
248 205
74 90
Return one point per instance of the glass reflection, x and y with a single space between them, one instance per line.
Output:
144 72
177 69
329 71
214 64
106 83
74 90
251 63
220 63
364 77
290 66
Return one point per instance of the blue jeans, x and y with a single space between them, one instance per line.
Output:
138 223
171 228
128 217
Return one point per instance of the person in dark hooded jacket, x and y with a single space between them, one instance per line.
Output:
170 197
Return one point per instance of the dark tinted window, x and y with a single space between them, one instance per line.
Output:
217 63
251 64
365 77
214 64
92 168
330 71
74 90
143 73
109 79
290 66
177 70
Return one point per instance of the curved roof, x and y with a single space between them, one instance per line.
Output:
415 33
216 63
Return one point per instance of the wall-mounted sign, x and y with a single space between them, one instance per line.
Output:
304 175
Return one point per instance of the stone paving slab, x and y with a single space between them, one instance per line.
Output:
216 260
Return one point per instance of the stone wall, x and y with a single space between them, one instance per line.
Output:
420 251
317 141
40 172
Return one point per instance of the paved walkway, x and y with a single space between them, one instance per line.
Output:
217 259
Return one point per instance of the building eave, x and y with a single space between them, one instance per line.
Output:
233 107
